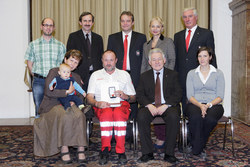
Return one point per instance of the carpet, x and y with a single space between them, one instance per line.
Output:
16 149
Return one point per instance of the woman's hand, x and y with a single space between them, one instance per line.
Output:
71 88
203 108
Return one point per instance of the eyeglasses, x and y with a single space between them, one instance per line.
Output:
48 25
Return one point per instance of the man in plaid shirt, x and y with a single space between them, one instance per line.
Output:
42 55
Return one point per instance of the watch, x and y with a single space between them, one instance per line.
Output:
210 105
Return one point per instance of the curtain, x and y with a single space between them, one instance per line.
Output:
107 15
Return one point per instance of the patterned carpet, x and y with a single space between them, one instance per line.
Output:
16 149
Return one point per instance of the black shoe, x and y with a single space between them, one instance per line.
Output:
201 155
146 158
104 155
170 158
122 159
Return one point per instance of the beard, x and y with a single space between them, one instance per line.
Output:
47 34
109 69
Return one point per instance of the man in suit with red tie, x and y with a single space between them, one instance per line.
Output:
128 47
187 42
159 94
89 44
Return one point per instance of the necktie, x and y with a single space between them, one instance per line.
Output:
88 44
188 39
125 44
157 91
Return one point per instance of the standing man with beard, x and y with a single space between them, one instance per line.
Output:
42 55
89 44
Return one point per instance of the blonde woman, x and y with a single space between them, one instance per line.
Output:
156 27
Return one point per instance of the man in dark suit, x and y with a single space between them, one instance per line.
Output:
187 42
91 46
129 56
167 106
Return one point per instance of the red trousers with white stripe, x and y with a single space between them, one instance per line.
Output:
114 117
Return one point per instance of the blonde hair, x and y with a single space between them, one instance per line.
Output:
64 65
156 19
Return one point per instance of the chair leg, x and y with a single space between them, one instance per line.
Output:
224 139
134 137
185 139
232 132
87 130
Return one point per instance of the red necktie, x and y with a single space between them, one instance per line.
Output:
125 44
157 91
188 39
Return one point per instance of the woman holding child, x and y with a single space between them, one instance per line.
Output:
57 128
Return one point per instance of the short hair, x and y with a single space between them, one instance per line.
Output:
48 18
191 8
108 50
85 14
156 50
157 19
209 51
64 65
127 13
76 54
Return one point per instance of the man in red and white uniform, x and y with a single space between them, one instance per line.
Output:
111 117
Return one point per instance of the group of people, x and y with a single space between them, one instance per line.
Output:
156 76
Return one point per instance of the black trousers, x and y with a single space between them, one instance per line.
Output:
199 127
172 119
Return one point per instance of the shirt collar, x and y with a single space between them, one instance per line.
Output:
212 69
43 40
161 71
192 29
129 34
84 33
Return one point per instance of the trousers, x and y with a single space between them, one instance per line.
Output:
113 118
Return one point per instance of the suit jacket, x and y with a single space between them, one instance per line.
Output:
166 45
77 41
145 92
115 43
186 61
50 97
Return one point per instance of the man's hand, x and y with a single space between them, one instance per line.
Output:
153 110
102 104
121 94
162 109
